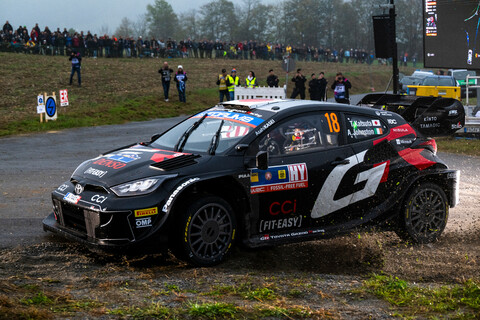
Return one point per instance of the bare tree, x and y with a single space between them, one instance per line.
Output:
104 29
125 29
409 27
189 26
140 26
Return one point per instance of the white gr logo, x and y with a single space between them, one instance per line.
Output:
325 204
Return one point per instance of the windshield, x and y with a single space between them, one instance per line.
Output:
437 81
462 75
407 80
213 134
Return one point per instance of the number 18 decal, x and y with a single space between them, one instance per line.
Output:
333 124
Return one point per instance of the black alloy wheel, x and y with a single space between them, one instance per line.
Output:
425 214
208 233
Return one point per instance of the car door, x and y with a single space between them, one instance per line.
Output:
371 166
291 195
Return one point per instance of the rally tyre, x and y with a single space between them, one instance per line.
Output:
424 214
208 228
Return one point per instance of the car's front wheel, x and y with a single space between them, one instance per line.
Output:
424 214
207 231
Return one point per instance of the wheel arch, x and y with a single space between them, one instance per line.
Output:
226 188
435 177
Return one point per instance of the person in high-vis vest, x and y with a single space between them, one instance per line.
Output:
235 82
224 83
251 81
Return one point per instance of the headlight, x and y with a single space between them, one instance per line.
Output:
140 187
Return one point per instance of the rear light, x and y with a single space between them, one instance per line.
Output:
430 144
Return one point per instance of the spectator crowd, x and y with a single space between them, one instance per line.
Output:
58 42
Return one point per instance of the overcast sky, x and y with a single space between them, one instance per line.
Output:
82 14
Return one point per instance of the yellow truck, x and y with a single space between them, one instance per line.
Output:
437 86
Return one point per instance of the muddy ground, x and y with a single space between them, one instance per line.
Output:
43 276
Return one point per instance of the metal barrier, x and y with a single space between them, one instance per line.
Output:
260 93
472 123
437 91
468 85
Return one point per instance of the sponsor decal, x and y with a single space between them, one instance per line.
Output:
403 141
234 131
95 172
397 132
429 119
268 176
376 123
232 116
146 212
98 198
429 125
383 113
78 188
110 163
392 121
70 197
258 115
457 126
63 187
143 222
267 237
326 202
244 176
284 207
284 223
279 178
175 193
124 156
453 112
265 127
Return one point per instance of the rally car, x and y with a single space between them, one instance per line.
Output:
265 172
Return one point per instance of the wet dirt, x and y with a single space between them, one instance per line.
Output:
321 273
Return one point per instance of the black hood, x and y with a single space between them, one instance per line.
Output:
132 163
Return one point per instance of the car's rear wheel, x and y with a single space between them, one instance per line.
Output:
207 231
424 214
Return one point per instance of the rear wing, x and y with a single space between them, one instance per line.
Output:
431 116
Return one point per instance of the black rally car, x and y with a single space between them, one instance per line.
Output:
266 172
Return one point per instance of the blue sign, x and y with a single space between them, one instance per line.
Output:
51 107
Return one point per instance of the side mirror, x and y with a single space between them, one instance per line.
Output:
155 137
241 147
262 160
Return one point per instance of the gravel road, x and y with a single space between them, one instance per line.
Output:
31 166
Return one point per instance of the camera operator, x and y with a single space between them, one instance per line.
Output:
299 89
340 89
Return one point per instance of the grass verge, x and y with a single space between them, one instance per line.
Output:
115 91
412 300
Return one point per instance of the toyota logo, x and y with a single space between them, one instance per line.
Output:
78 188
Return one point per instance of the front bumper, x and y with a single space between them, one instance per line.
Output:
85 226
103 220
